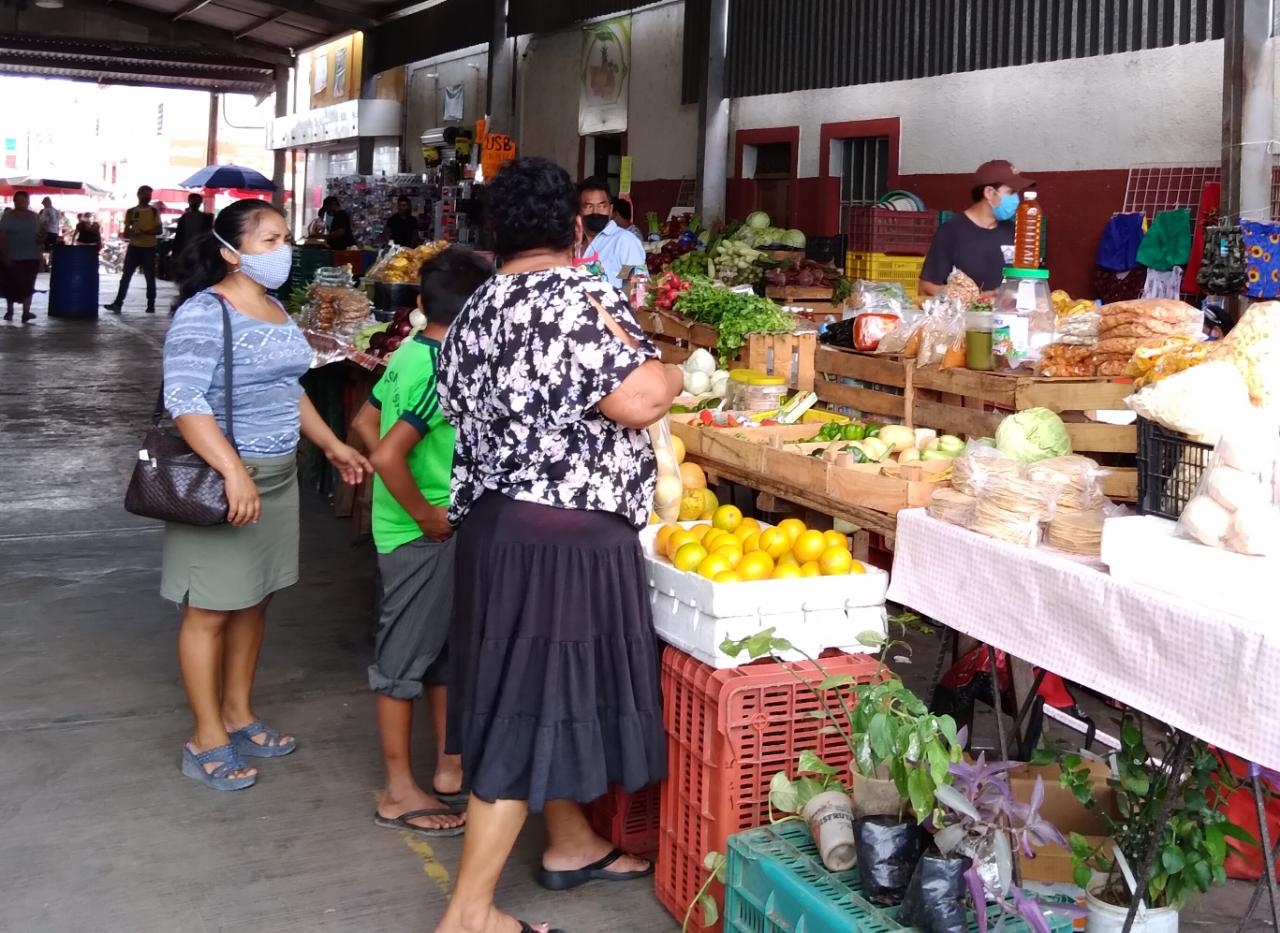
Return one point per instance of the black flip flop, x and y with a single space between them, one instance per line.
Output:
402 822
454 799
525 928
596 871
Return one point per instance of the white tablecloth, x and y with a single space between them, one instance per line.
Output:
1213 675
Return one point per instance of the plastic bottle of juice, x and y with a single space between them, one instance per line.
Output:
1027 232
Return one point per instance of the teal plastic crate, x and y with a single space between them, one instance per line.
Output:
778 884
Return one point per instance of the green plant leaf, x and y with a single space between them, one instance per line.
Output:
836 681
1215 843
783 795
1130 735
920 793
1172 859
880 731
1203 875
866 764
809 761
1043 756
710 910
1136 783
1082 876
871 639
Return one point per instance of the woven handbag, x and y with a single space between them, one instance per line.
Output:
171 482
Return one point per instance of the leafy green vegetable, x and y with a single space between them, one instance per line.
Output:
733 315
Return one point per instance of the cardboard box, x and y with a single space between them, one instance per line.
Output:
1052 865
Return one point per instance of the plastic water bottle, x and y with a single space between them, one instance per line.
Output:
1027 232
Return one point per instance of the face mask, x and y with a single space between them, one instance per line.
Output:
270 270
1007 207
594 223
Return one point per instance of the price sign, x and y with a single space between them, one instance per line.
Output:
499 149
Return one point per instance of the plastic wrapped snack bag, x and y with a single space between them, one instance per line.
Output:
1237 504
669 489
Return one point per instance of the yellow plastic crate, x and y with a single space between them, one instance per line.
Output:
881 267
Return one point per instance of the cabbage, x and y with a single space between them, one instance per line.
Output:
700 361
1031 435
793 238
758 220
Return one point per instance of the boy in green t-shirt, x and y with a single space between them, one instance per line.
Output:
412 452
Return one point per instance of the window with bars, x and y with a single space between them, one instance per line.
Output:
864 169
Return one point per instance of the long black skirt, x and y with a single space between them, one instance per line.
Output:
554 687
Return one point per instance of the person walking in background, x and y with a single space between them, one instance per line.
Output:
192 222
141 228
336 224
622 216
87 232
50 229
224 575
553 667
412 452
20 247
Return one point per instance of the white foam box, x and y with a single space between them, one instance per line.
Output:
1147 550
814 613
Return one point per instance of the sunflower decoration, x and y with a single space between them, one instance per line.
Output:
1255 251
1254 275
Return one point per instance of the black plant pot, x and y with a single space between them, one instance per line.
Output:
888 849
936 897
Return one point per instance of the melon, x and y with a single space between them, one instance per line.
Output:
692 477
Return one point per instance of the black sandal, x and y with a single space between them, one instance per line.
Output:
453 800
596 871
436 832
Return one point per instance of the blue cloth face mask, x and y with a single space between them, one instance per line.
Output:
270 270
1007 207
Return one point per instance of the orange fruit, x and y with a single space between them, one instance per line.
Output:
836 539
809 546
727 518
786 572
712 565
660 540
692 477
690 556
728 577
676 540
730 553
699 531
755 566
751 542
750 524
835 561
744 531
793 527
811 569
774 542
858 567
712 538
788 560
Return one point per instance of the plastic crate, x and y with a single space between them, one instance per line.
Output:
871 229
629 821
729 732
1170 466
878 267
778 884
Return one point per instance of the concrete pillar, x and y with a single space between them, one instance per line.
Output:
282 110
368 88
211 137
713 128
1248 120
501 107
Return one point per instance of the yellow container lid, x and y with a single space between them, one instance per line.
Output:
758 380
744 375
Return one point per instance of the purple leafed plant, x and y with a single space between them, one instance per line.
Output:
981 818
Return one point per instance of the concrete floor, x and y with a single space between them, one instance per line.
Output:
98 831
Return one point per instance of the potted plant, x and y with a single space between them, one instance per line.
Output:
979 825
1159 779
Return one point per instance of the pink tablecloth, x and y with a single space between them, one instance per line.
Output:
1213 675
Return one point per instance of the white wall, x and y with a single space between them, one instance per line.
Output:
662 134
1162 106
425 95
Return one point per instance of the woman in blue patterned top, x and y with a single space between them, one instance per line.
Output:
225 575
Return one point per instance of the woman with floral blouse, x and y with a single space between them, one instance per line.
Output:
554 692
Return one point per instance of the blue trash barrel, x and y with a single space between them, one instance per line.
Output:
73 281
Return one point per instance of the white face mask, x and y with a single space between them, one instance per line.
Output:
270 270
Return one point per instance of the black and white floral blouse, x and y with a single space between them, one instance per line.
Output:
521 374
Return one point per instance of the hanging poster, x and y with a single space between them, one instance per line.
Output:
454 103
340 72
319 72
605 77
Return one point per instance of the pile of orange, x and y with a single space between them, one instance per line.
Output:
732 549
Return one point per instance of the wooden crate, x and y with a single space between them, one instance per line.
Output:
814 303
887 488
876 386
675 335
739 448
788 355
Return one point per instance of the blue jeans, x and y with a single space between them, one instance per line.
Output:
138 257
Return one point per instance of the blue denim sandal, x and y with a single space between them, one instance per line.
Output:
228 761
271 747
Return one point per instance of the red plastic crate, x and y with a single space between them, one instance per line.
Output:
881 230
629 821
728 733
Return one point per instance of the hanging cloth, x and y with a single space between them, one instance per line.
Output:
1210 199
1163 284
1222 269
1111 286
1118 251
1262 259
1168 242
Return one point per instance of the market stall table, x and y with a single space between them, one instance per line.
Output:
1205 673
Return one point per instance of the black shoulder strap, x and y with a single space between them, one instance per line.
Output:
158 414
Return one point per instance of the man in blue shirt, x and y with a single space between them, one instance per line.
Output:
613 247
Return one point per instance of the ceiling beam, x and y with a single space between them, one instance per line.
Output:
163 29
71 48
193 7
258 24
90 76
344 19
157 69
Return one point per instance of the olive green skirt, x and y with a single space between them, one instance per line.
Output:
224 568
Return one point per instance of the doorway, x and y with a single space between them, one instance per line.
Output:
602 158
